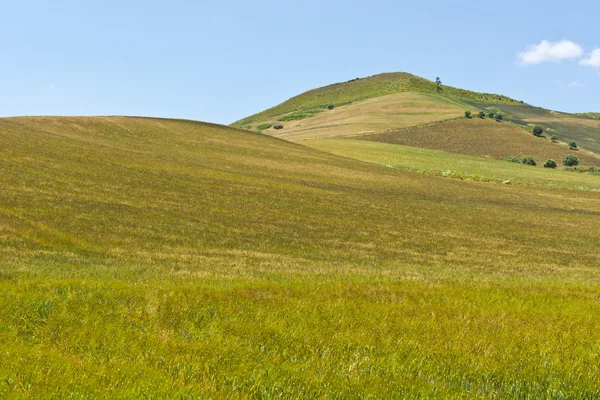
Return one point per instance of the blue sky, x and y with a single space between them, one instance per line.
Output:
225 60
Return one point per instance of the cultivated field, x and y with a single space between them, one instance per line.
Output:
482 138
373 115
158 258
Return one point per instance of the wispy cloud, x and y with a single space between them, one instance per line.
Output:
574 84
592 59
547 51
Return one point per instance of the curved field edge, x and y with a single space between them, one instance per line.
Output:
166 258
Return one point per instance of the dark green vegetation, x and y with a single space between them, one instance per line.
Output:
528 160
367 88
263 127
571 161
156 258
550 164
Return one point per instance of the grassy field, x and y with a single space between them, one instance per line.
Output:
482 138
585 130
458 166
367 88
373 115
158 258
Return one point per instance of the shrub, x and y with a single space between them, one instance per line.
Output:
468 114
491 114
550 164
537 131
499 117
554 139
513 159
571 161
330 107
528 160
572 145
278 127
264 126
481 114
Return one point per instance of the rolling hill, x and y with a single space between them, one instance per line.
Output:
146 257
392 101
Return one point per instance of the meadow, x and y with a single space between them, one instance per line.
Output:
175 259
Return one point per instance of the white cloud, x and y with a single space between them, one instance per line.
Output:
547 51
592 60
574 84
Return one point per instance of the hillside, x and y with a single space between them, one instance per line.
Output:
171 259
344 93
482 138
393 101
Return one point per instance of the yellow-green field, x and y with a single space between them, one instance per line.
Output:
374 115
483 138
150 258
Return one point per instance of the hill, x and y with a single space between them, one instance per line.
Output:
398 100
344 93
482 138
166 258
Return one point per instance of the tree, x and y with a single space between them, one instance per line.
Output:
499 117
529 160
438 84
468 114
481 115
537 131
572 145
278 127
491 114
330 107
550 164
571 161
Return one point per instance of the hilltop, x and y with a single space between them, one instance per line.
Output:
171 258
393 101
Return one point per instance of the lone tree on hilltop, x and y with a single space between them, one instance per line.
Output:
537 131
438 84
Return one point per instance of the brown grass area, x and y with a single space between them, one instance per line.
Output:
373 115
482 138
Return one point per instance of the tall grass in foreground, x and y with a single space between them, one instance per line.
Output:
154 258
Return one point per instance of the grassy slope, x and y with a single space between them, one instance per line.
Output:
381 113
585 131
363 89
147 257
483 138
440 163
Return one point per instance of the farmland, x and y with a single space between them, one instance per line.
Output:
168 258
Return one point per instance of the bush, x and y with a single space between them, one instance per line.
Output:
330 107
264 126
278 127
537 131
572 145
571 161
499 117
468 114
554 139
550 164
491 114
481 114
513 159
528 161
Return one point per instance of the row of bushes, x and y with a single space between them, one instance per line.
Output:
498 117
568 161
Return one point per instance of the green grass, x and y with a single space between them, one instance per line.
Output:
299 115
367 88
460 166
263 127
156 258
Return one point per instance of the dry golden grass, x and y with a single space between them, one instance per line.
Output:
373 115
482 138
